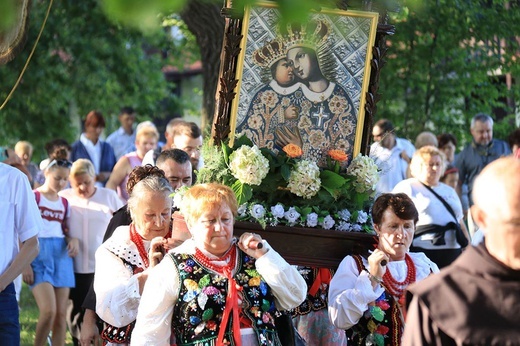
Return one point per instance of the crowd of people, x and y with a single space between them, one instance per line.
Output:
91 231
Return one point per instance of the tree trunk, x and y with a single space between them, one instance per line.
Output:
205 22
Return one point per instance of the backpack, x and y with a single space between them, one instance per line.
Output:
65 202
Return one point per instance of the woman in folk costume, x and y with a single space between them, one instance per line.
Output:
366 295
125 260
215 289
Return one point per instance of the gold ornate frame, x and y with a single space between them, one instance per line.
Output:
349 45
314 247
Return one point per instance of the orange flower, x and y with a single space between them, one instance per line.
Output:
293 151
338 155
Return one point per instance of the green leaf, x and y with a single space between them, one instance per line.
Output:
143 15
240 141
285 170
306 211
242 191
331 180
226 151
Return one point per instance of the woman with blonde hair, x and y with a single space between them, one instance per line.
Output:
441 233
146 139
216 289
91 209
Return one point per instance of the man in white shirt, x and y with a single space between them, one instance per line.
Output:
183 135
122 140
21 222
391 154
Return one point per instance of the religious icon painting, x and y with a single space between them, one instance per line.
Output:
303 83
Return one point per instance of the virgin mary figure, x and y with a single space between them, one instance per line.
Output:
326 117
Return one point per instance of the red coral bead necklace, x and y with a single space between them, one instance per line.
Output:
397 288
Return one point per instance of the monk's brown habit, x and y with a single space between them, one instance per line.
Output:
475 301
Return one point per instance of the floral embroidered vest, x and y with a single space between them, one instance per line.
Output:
202 298
319 300
381 324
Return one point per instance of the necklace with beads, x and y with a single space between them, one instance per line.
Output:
397 288
230 258
138 241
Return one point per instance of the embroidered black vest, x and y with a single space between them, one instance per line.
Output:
380 324
312 302
134 264
202 298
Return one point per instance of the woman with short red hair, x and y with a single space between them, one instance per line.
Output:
91 147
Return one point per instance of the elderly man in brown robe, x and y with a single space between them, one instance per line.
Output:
476 300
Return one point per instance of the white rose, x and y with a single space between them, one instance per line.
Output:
312 220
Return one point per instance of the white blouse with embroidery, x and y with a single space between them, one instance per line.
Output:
154 318
350 291
116 286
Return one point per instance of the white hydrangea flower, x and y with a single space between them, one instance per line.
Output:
248 165
312 220
366 172
292 215
344 214
328 222
257 211
304 180
362 217
277 211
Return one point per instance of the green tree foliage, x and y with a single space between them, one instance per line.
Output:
82 62
446 62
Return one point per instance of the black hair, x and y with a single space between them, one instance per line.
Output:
177 155
385 125
514 138
127 110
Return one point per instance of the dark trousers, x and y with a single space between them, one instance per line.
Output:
9 317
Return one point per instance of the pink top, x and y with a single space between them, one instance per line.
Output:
134 162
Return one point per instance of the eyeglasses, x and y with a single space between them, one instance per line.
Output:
60 163
378 135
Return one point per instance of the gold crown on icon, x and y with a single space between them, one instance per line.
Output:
270 53
312 34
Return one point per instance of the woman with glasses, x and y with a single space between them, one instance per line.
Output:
441 232
91 209
51 274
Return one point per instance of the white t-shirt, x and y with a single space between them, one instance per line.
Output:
53 213
18 211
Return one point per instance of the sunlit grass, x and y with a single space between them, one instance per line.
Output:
29 318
